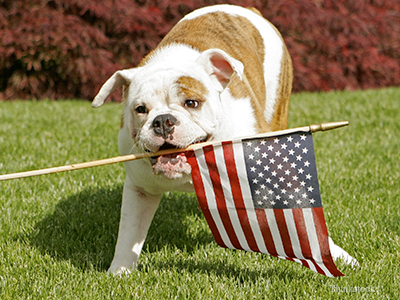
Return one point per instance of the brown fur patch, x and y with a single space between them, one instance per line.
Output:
281 109
192 88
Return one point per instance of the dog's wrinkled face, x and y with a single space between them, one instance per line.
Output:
173 104
171 111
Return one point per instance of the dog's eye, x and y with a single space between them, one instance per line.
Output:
141 109
192 103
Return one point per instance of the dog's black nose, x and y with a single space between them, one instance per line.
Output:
163 125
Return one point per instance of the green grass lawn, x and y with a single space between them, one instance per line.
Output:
57 232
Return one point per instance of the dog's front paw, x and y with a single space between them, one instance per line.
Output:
115 270
339 253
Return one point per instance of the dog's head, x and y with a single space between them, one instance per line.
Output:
173 104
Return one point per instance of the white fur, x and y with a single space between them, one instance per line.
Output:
154 86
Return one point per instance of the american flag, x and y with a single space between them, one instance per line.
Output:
262 195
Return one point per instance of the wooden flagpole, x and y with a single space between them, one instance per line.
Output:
124 158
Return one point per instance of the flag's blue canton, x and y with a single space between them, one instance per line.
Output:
282 171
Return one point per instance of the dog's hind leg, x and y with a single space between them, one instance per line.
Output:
339 253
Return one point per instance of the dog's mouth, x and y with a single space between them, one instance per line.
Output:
172 165
171 156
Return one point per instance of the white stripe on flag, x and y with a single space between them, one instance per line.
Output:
313 239
311 265
294 238
275 232
209 191
247 197
230 205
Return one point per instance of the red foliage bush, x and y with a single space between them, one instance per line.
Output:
68 48
346 44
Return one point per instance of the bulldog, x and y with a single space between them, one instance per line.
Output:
222 72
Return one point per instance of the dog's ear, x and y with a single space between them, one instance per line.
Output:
220 66
118 79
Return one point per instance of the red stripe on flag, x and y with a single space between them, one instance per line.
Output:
303 238
284 232
201 196
219 195
322 234
266 232
238 196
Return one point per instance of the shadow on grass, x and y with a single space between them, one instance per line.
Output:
83 228
221 268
